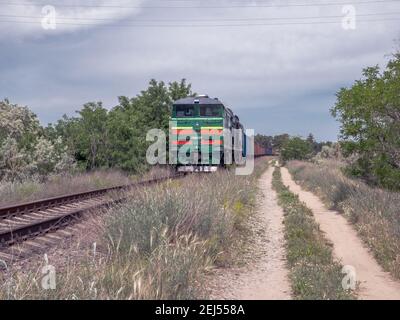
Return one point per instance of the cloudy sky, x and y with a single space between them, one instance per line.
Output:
277 64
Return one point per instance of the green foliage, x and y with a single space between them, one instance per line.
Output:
117 138
279 140
92 132
18 123
316 146
95 138
262 140
369 113
296 148
275 142
25 151
329 151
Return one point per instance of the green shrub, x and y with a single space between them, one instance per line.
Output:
296 148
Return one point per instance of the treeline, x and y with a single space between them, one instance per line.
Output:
95 138
98 138
292 147
369 112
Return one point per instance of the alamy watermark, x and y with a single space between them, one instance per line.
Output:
49 21
49 276
349 20
349 281
49 17
212 147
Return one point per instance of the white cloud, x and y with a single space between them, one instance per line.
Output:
26 20
263 70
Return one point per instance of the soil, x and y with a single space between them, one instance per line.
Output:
264 276
374 283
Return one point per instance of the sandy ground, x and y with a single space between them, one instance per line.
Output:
265 276
347 247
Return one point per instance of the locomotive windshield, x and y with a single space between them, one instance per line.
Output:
210 111
184 111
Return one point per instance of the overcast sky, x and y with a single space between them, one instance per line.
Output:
280 76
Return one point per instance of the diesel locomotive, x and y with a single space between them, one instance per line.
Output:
201 127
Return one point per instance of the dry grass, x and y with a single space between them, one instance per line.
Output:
30 190
314 274
57 185
155 245
374 212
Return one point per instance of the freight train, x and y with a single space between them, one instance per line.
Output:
260 151
199 125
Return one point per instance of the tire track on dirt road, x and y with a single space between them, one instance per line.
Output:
265 277
348 247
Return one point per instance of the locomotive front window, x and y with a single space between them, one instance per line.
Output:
210 111
184 111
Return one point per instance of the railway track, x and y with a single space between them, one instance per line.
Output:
23 223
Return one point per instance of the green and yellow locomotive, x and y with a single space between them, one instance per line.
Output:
203 134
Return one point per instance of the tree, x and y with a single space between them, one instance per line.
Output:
24 148
369 113
178 90
129 122
329 151
265 141
310 138
92 142
13 160
316 146
18 123
295 148
279 140
65 128
50 157
94 138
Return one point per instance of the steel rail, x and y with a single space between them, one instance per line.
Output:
55 221
43 204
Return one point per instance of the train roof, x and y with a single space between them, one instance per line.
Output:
206 100
203 99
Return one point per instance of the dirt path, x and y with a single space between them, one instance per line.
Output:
374 282
265 276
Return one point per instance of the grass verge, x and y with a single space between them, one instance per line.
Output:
12 192
374 212
314 274
155 245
